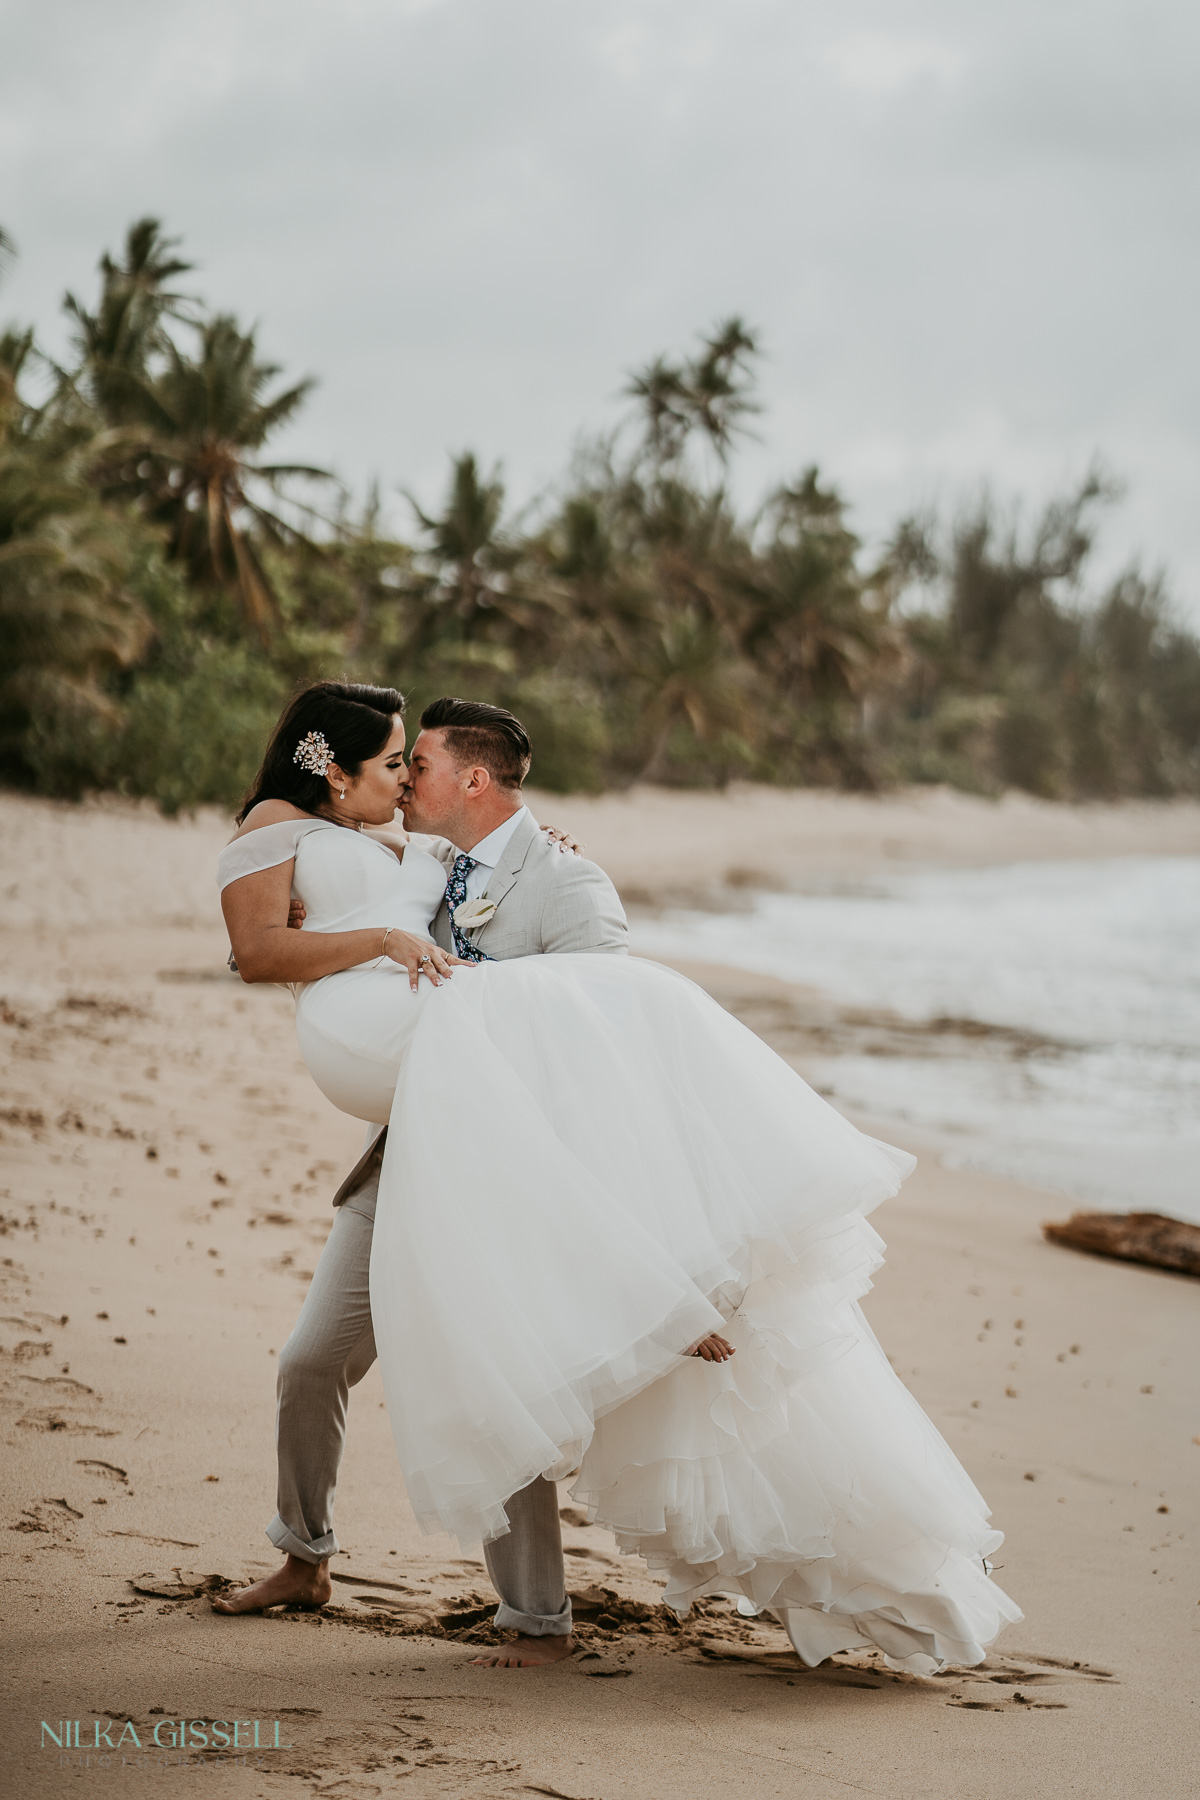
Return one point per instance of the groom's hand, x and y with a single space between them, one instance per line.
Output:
296 915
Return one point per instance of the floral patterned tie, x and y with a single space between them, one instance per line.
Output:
456 893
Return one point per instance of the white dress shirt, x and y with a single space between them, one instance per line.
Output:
487 854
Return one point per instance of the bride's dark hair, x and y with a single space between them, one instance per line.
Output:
355 721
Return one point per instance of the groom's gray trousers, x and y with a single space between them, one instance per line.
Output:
331 1348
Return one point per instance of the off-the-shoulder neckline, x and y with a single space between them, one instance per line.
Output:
297 818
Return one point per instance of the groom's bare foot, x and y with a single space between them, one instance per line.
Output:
526 1653
296 1584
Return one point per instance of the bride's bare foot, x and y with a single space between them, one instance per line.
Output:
713 1348
296 1584
526 1653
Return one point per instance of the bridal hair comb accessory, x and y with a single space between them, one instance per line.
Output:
313 753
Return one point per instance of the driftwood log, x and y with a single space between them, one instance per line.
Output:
1134 1237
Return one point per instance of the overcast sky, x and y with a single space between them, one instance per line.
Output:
967 231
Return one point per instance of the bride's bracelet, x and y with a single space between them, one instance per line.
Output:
386 935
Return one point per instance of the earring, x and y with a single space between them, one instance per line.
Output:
342 795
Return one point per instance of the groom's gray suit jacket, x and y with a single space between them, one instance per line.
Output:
547 903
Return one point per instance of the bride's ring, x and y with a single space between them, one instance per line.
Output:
422 962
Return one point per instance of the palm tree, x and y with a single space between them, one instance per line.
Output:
465 545
721 384
810 617
664 397
187 426
67 616
999 590
709 393
479 583
189 462
689 676
119 341
372 574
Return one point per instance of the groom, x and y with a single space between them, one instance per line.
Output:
465 774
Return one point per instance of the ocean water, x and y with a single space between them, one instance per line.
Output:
1100 958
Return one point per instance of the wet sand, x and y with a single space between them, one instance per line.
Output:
167 1170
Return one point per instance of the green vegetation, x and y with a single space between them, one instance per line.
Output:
163 587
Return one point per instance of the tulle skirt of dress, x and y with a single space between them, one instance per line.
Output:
590 1165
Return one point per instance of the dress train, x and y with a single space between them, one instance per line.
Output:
590 1166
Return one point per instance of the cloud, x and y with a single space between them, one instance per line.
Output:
880 62
967 240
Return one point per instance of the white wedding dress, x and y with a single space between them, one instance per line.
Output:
590 1166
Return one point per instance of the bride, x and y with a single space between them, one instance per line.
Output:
616 1235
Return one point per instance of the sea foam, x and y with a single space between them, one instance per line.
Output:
1102 959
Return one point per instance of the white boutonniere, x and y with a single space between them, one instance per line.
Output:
474 913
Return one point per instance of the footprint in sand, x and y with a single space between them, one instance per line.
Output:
1016 1703
103 1471
55 1517
46 1419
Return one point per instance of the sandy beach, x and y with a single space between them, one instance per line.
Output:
167 1168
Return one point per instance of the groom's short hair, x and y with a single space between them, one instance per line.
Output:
482 735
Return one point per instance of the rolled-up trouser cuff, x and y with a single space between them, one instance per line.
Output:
286 1540
534 1624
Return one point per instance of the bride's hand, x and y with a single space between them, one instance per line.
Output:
564 840
713 1348
420 957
